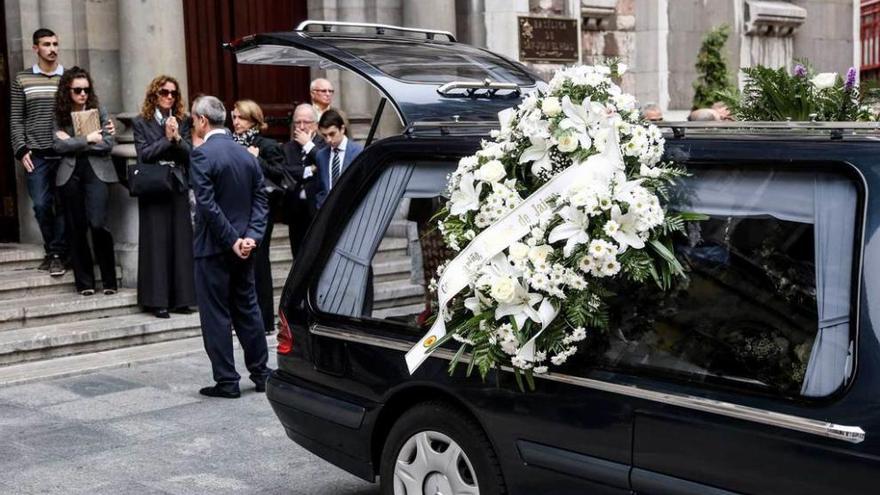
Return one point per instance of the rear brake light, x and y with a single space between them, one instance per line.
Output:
285 338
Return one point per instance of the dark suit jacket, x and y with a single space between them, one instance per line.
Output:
152 147
352 150
230 201
271 162
294 166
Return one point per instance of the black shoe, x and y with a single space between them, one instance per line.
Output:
109 292
87 292
260 386
56 266
216 391
161 313
44 265
183 310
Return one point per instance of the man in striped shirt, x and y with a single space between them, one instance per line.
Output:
32 114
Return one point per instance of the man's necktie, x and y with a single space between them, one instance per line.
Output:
335 167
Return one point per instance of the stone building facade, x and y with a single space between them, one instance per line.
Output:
126 42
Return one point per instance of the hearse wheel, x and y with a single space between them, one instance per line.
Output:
434 449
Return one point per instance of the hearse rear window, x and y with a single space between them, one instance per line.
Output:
767 305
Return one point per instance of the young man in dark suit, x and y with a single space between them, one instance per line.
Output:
231 211
301 182
337 156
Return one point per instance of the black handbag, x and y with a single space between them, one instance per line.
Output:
150 179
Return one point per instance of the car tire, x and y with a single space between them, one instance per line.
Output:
443 429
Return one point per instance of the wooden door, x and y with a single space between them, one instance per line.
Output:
8 210
212 69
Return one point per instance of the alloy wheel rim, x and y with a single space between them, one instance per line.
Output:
432 463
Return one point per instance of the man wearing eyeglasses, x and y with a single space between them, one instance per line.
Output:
321 92
301 184
31 112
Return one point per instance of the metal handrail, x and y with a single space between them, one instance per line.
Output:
326 26
489 85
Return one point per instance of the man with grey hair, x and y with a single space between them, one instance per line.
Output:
300 174
230 220
652 112
321 92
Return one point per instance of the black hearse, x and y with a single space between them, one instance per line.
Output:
760 375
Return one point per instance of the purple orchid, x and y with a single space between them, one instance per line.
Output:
800 71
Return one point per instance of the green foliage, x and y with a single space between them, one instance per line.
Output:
714 78
777 95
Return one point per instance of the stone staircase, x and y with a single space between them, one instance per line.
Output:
43 319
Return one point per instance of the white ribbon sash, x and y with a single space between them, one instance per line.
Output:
510 228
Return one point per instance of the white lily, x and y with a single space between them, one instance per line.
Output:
626 234
573 229
579 118
466 197
477 303
539 153
522 307
624 189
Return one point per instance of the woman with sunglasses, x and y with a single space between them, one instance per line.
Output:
165 259
247 124
83 175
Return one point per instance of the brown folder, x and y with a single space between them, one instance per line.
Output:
86 122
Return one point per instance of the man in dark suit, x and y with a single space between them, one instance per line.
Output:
231 211
301 182
337 156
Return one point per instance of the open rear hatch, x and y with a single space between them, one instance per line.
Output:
426 75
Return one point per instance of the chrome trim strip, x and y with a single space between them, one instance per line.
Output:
851 434
378 27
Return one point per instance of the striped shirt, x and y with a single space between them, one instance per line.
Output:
32 109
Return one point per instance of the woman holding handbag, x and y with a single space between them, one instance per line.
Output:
82 177
247 124
165 259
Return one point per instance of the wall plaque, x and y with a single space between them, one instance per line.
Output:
548 39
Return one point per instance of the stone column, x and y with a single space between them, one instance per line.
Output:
470 21
430 14
650 66
151 42
502 34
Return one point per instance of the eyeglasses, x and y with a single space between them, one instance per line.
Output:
80 91
168 92
328 91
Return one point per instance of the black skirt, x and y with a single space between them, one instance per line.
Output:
165 252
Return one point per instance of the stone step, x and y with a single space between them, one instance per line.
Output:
57 308
78 337
391 248
395 293
392 269
28 282
17 256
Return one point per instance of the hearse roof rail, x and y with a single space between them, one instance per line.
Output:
378 29
834 130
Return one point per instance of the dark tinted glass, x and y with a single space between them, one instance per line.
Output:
431 63
749 315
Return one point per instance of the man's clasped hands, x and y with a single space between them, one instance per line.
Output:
243 247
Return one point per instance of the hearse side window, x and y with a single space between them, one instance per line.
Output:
389 249
768 303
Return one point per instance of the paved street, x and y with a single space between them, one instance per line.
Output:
146 430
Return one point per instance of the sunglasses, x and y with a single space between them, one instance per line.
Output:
80 91
168 92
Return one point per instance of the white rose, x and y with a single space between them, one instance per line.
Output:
824 80
492 171
503 290
567 142
519 251
538 254
551 106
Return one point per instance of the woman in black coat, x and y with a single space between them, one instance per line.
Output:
165 252
247 122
